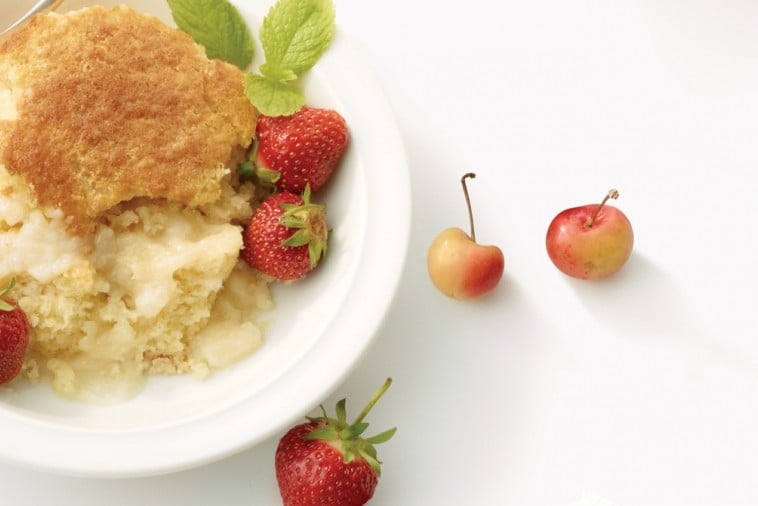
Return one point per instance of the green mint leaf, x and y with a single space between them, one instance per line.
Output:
271 97
217 25
275 73
295 33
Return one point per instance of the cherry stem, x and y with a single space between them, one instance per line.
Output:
373 401
612 194
468 203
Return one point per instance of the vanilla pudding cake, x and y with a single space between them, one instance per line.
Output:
120 208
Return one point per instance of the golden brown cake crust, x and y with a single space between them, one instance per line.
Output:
113 105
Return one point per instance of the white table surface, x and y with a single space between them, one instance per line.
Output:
640 390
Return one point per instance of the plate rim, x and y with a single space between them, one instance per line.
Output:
115 452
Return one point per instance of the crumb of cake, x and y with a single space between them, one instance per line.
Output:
104 105
120 214
157 288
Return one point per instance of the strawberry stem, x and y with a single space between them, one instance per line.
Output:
5 306
468 203
612 194
373 401
8 288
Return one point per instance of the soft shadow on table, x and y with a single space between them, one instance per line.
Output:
246 478
644 302
641 298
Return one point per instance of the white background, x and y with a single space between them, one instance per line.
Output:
640 390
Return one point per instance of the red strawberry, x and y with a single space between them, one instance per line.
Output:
326 461
300 149
14 336
287 236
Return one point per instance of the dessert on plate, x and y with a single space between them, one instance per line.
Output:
120 206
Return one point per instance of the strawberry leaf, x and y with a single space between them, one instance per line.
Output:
267 176
5 306
245 169
341 411
326 433
372 461
370 449
383 437
326 419
307 194
293 222
353 431
316 250
8 288
299 238
289 208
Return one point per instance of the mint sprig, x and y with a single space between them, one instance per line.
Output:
217 25
273 97
294 35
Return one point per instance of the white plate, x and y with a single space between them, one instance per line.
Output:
320 328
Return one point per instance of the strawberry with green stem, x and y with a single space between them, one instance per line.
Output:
287 236
14 336
301 149
328 461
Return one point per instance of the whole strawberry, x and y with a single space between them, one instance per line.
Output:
287 236
300 149
14 336
326 461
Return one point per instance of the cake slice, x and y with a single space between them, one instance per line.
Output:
105 105
120 209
